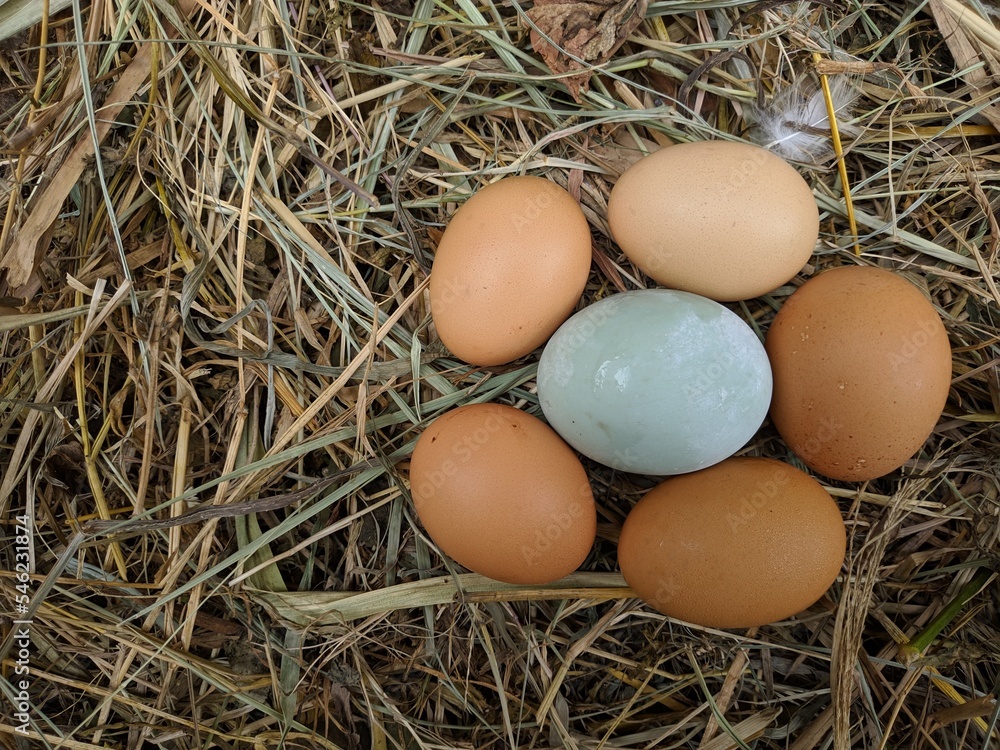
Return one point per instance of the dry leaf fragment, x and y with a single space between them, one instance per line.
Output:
587 31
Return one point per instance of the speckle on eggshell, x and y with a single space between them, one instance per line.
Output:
724 219
862 393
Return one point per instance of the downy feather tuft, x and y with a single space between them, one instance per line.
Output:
795 124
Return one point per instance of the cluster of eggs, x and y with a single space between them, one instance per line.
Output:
854 371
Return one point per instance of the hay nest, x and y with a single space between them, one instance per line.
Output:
216 354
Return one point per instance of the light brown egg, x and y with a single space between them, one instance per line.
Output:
746 542
500 492
509 270
722 219
861 366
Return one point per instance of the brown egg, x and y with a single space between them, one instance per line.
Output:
722 219
500 492
861 366
509 270
746 542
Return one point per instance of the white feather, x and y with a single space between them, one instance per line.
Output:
795 123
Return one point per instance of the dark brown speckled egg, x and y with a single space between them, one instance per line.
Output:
862 367
743 543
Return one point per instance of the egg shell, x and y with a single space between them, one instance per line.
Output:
746 542
655 381
499 492
723 219
510 267
862 368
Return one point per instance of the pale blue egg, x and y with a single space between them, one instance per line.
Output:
655 382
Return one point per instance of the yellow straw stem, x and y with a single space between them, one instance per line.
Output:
838 149
91 449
